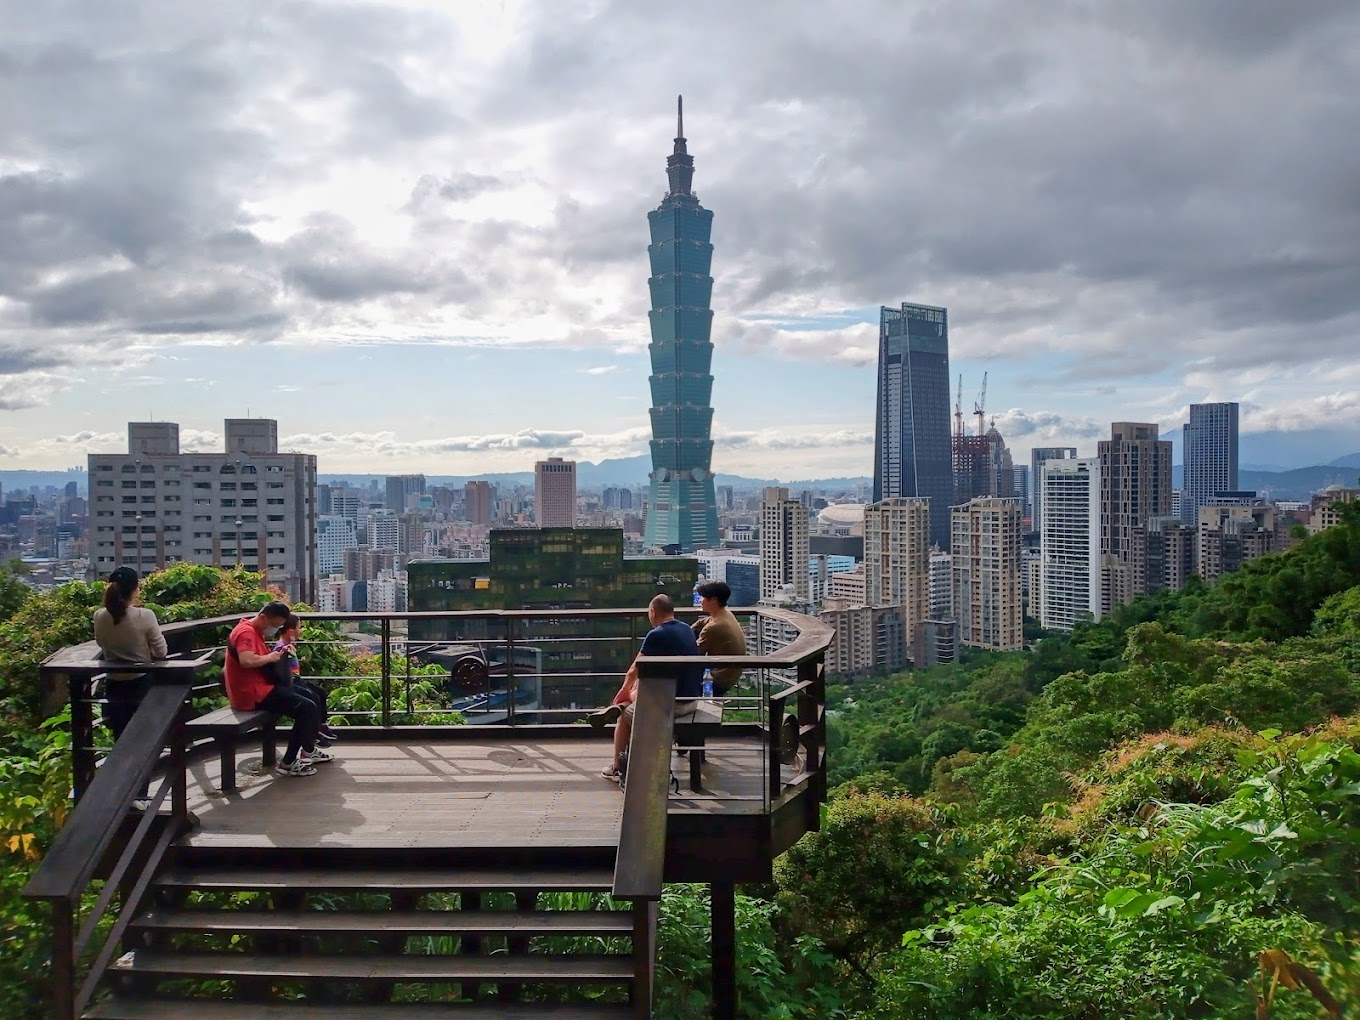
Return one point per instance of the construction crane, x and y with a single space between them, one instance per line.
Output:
958 411
980 408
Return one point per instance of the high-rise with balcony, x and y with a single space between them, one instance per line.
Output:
986 573
897 545
478 498
913 453
1069 544
250 505
1209 449
1135 486
682 509
1037 457
555 493
784 540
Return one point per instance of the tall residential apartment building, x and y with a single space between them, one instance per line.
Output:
1209 449
868 639
1135 485
335 536
1069 544
1231 534
988 604
941 585
400 488
477 502
897 543
783 547
384 530
1163 554
682 507
250 505
913 452
555 493
1037 458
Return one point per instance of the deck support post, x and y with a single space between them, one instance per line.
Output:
723 896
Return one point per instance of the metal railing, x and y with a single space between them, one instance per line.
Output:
777 721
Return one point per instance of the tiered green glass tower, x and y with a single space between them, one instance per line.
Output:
682 509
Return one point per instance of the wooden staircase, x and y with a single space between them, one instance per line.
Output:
264 933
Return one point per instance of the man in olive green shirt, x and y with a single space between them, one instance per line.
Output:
719 632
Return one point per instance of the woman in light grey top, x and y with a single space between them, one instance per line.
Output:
126 633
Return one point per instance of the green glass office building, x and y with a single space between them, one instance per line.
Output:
566 661
682 510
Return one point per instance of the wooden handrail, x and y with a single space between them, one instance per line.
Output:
641 860
80 845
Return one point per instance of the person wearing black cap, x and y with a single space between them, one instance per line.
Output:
126 632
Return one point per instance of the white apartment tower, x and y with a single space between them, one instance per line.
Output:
784 542
1069 544
985 536
384 529
897 561
555 493
249 505
334 534
941 585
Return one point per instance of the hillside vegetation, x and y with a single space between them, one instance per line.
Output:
1153 817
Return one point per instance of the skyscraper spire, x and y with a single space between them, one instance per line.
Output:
680 164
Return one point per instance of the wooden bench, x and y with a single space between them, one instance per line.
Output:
227 726
691 731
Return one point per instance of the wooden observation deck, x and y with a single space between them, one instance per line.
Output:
482 870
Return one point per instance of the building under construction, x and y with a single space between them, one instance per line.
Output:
982 464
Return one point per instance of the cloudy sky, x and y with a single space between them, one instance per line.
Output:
415 233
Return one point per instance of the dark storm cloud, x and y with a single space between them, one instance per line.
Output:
1120 159
1134 184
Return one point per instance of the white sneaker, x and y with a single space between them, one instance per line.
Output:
316 756
300 767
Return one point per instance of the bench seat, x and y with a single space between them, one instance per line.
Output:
692 729
226 726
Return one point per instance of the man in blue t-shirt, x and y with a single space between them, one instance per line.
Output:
668 636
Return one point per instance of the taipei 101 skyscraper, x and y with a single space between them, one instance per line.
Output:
682 509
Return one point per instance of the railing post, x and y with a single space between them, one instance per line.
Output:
511 623
82 734
775 782
644 957
179 764
63 961
386 629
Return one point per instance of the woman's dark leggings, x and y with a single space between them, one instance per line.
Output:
121 700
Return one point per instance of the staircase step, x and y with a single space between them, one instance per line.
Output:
379 969
378 880
394 922
122 1008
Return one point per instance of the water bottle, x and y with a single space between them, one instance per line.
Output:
708 683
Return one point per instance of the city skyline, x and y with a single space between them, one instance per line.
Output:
411 237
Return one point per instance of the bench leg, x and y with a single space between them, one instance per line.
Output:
226 747
268 747
696 762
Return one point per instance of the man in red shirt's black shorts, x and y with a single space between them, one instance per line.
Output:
249 686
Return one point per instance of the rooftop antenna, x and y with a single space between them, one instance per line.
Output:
679 116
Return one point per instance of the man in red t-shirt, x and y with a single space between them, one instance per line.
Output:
249 686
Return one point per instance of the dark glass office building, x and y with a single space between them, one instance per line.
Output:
912 449
1209 452
682 509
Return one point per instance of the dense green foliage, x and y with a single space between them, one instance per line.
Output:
1155 816
35 767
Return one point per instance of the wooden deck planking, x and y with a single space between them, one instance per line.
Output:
421 794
